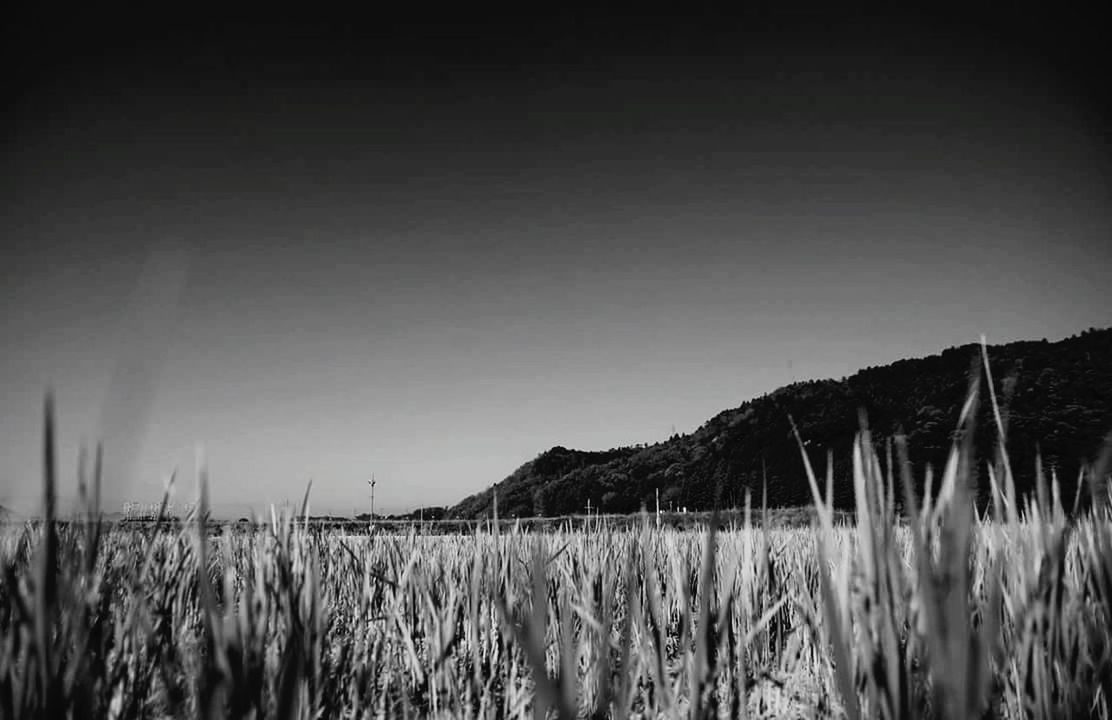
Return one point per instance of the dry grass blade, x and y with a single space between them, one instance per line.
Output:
834 604
47 586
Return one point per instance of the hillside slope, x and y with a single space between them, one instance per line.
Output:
1057 397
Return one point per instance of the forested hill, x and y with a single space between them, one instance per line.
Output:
1057 397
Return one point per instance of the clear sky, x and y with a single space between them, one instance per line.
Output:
433 252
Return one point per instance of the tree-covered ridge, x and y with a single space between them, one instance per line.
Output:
1056 398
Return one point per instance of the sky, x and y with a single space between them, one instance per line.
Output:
430 250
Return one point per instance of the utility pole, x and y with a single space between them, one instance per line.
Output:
371 482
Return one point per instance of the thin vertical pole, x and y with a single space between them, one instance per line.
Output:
371 482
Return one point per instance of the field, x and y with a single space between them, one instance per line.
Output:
918 608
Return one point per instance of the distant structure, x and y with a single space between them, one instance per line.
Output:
372 483
147 511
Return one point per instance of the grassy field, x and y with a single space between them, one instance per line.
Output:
919 608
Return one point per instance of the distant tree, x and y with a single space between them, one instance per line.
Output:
540 506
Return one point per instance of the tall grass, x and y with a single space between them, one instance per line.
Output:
922 608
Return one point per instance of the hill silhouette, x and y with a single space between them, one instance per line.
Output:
1056 398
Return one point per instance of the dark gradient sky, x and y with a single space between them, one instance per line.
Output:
433 251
